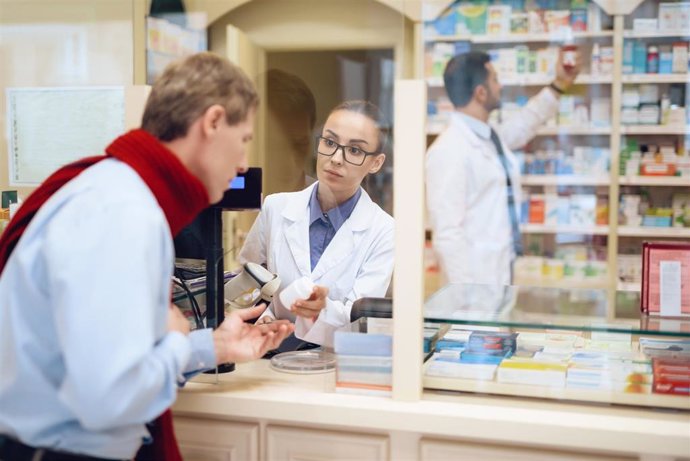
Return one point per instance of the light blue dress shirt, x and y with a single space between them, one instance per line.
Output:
481 129
86 358
324 225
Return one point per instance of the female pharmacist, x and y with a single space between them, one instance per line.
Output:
331 232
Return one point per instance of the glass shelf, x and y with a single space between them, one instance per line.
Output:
548 309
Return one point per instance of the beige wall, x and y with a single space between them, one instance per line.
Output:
292 25
62 43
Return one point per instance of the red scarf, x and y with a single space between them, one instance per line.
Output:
180 195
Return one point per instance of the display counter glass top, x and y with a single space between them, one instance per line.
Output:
548 308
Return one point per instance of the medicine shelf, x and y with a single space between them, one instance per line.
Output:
560 283
672 181
573 130
673 232
564 180
655 33
563 229
655 129
532 80
656 78
520 38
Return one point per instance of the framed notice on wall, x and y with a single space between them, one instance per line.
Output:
666 278
50 127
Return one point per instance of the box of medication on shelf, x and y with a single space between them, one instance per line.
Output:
471 18
653 168
645 24
680 203
674 16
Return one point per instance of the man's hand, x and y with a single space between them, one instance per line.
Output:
177 321
567 72
236 341
313 305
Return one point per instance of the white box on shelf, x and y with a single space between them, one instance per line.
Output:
498 20
630 97
593 17
600 112
629 116
583 209
551 209
679 58
668 16
606 60
649 93
645 24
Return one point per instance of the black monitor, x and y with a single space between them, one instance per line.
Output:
243 193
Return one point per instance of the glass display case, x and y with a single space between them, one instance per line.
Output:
555 343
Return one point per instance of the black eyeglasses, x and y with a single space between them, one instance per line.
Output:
351 154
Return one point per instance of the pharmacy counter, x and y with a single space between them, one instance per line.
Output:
258 413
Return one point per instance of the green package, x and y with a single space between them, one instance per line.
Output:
471 16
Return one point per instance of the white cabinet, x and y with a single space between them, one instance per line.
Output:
441 450
208 440
301 444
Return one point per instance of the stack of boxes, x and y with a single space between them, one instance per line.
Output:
585 161
605 361
483 17
644 58
670 363
364 363
636 210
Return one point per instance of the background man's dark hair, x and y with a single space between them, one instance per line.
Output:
463 74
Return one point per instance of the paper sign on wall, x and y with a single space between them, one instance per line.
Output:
50 127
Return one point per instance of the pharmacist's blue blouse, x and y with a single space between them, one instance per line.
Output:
86 361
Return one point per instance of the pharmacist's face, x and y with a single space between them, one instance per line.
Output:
493 89
359 133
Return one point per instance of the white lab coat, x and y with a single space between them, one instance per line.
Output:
357 263
467 199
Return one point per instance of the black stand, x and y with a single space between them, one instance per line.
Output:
215 286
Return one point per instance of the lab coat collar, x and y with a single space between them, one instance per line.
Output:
458 122
343 243
481 129
298 209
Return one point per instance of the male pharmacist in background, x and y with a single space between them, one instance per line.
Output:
472 177
92 348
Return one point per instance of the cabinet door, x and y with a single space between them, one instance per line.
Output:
208 440
301 444
438 450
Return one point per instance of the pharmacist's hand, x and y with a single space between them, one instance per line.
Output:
567 72
313 305
236 341
177 321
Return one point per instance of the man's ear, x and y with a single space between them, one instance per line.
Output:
211 119
377 163
480 93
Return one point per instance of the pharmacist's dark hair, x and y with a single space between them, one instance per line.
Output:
463 74
371 111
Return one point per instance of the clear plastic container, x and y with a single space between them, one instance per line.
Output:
304 362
